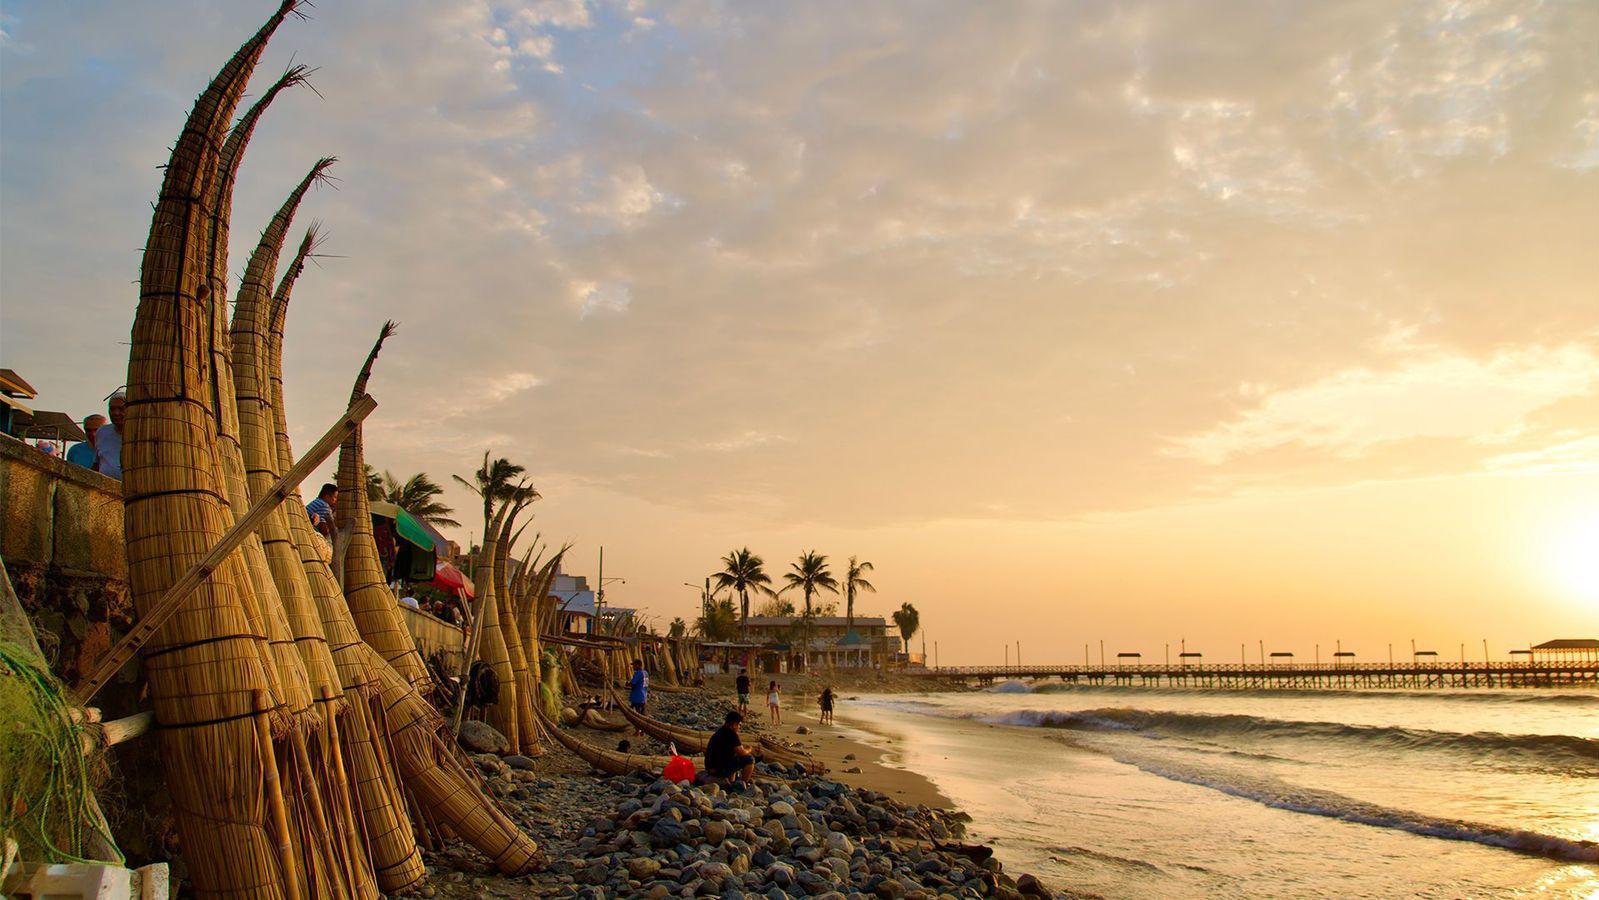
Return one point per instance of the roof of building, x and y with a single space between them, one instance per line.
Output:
825 621
1569 644
579 603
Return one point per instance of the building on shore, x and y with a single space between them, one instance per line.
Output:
574 603
832 643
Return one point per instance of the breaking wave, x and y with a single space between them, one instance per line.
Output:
1556 750
1337 806
1529 696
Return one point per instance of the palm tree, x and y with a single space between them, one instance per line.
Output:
744 572
374 483
677 629
810 575
908 620
416 495
494 481
719 623
855 580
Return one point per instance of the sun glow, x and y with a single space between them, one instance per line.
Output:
1573 557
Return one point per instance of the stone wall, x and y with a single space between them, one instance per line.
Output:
62 541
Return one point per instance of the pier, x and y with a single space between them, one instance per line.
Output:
1291 675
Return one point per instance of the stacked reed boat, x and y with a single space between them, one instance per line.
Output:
302 758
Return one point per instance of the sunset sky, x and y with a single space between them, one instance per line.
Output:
1134 321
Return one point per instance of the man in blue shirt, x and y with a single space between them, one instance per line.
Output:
108 438
638 687
82 453
321 509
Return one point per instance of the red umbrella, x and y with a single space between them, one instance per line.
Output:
448 578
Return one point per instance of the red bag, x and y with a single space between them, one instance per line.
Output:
679 768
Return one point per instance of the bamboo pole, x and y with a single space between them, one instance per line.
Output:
173 599
274 795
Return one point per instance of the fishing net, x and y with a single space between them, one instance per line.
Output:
49 762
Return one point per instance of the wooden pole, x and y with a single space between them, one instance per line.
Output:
180 590
274 795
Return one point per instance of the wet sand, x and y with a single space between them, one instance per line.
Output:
881 767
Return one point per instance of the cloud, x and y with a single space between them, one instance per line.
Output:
745 441
1437 395
1009 252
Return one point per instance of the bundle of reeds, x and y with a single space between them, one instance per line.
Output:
209 678
533 602
374 790
375 608
521 672
275 615
490 634
257 424
249 452
407 729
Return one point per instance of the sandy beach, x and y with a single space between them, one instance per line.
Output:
842 748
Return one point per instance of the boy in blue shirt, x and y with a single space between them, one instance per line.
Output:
638 687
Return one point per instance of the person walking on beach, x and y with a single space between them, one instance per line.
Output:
774 703
742 683
82 453
826 701
638 688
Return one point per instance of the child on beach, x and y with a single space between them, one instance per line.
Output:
774 705
826 701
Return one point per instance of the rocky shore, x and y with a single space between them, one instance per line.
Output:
788 835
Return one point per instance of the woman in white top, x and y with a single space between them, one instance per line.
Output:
774 705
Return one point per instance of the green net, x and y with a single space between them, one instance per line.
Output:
47 772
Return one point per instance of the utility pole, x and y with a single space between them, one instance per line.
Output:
1318 654
1085 655
1101 652
1007 656
599 590
1263 652
1485 651
1168 654
935 654
1018 654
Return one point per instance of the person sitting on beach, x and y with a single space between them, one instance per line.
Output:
725 754
743 685
108 438
774 703
82 453
321 510
826 701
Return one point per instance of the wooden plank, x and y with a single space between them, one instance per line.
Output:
180 590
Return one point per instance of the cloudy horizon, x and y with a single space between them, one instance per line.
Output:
1139 321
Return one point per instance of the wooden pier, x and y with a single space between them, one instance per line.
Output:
1291 675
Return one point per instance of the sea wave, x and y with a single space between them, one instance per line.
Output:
1337 806
1557 750
1528 696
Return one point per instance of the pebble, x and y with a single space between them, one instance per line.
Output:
631 836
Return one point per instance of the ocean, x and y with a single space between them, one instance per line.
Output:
1131 792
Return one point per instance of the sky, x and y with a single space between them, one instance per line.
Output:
1214 321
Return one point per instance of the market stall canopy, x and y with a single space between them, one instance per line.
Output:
407 525
14 385
49 425
448 578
